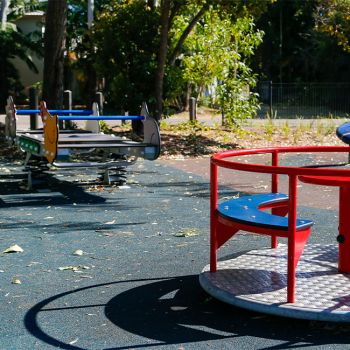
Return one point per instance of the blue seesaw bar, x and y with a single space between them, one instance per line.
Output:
101 117
55 111
80 114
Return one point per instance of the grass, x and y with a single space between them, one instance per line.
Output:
285 129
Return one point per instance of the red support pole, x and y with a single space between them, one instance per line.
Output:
274 184
344 226
292 216
213 215
274 189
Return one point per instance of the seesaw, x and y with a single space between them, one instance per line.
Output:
58 148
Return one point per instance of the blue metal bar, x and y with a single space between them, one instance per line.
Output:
55 111
101 117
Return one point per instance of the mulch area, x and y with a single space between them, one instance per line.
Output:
196 142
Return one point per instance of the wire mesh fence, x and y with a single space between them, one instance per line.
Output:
304 100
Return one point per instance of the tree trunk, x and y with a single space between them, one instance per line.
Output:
3 13
163 48
54 41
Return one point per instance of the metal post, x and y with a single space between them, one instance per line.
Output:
213 216
270 98
193 109
68 104
90 13
274 189
3 11
292 258
33 104
99 100
124 121
67 99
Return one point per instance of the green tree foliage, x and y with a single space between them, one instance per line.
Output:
237 100
218 50
295 48
198 9
81 49
333 18
126 40
17 8
15 44
206 42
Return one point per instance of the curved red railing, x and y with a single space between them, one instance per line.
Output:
293 172
219 159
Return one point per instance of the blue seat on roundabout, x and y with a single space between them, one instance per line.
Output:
343 132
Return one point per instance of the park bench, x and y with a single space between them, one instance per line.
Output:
59 146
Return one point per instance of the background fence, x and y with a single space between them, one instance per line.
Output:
304 100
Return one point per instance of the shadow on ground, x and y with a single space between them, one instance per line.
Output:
13 192
176 310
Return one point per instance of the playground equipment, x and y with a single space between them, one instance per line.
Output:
248 213
343 132
11 130
59 147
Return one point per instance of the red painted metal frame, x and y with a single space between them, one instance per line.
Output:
344 211
222 229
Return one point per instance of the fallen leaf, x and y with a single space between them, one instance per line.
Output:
13 249
110 222
114 233
78 252
188 232
74 268
16 281
73 341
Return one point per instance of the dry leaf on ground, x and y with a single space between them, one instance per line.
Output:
13 249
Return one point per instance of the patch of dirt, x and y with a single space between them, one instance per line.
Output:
186 141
